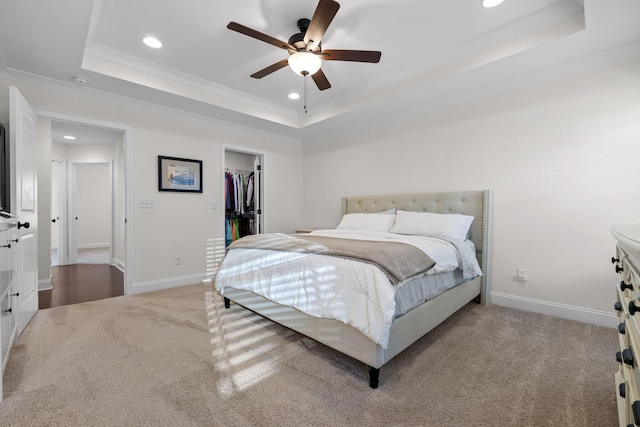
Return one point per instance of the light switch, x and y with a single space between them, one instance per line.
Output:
146 203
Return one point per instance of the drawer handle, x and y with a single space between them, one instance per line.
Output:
622 390
8 246
622 328
619 269
23 224
627 356
617 306
635 409
633 308
624 285
614 260
9 310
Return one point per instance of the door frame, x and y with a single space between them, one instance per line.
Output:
262 193
72 208
127 154
61 227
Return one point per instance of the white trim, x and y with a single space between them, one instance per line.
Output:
118 264
94 245
158 285
581 314
44 285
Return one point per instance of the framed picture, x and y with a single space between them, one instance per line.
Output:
175 174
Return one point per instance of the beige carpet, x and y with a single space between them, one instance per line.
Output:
153 360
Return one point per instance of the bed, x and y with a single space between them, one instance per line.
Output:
403 328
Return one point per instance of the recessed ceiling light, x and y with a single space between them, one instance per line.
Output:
69 137
152 42
294 95
491 3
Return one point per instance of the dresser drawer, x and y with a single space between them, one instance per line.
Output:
7 258
624 408
7 326
627 305
632 403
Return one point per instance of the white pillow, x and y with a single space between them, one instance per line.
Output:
448 226
367 221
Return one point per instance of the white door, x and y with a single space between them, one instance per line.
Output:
56 213
22 130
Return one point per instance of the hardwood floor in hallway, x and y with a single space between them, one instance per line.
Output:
73 284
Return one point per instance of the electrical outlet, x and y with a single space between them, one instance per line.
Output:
178 259
521 275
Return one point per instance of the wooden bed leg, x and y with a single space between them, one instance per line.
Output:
227 302
374 374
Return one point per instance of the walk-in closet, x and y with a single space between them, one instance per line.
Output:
243 194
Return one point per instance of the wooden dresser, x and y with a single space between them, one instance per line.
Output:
627 306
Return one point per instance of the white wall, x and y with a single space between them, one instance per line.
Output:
94 207
561 158
180 223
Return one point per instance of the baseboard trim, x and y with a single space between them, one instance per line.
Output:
44 285
94 245
158 285
586 315
118 264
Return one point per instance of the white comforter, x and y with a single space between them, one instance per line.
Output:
352 292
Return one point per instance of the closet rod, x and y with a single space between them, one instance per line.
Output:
235 170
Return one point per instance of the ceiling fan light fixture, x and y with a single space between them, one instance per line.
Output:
491 3
305 63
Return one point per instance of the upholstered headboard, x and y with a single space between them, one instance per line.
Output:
475 203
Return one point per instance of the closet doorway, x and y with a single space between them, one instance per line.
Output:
243 190
87 204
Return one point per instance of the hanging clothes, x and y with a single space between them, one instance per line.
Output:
239 195
238 192
228 238
250 180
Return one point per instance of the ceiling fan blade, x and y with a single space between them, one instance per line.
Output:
321 80
270 69
351 55
322 17
258 35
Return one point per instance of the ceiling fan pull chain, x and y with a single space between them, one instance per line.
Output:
305 91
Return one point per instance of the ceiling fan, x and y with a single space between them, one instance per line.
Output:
305 50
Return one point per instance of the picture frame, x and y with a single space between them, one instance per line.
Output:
179 175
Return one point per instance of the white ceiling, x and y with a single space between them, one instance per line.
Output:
83 134
434 53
